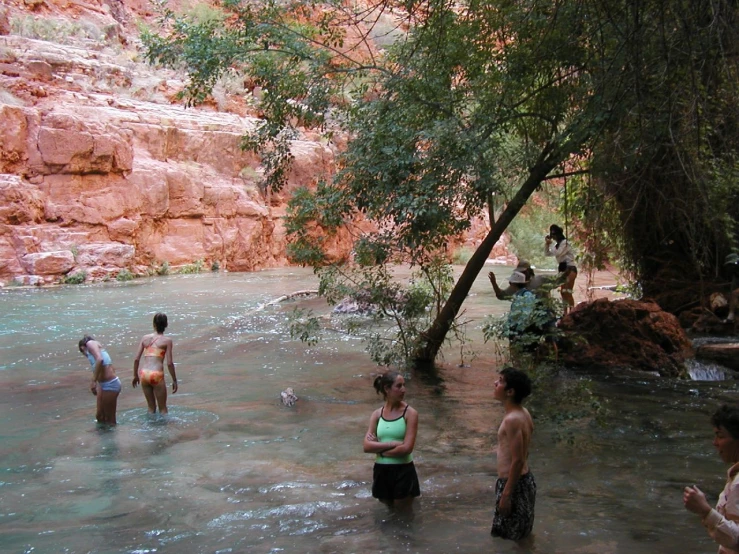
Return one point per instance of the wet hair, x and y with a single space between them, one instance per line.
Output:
728 418
557 233
160 322
518 381
385 381
84 341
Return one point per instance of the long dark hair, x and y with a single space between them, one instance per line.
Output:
557 233
160 322
84 341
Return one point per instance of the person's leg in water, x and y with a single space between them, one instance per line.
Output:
99 413
109 403
403 505
151 401
160 393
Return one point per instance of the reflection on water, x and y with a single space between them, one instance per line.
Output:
232 470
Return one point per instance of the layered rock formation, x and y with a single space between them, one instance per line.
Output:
91 181
102 169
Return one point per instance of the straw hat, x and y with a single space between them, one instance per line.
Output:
517 278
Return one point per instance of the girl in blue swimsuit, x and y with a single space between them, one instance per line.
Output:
391 437
104 384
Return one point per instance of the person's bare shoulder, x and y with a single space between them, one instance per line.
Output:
519 419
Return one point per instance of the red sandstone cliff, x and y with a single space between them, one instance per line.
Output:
102 169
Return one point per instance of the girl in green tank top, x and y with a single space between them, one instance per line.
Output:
391 437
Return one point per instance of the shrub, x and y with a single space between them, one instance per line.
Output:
124 275
55 30
75 278
461 256
195 267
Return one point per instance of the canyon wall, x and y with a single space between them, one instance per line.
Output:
102 169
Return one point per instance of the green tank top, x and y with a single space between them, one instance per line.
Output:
393 430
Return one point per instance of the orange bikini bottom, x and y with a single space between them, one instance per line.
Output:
151 377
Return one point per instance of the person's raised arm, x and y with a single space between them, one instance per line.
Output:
499 293
515 435
409 442
136 361
170 366
371 444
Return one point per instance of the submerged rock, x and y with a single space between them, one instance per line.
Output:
625 333
288 397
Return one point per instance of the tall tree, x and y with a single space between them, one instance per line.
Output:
471 110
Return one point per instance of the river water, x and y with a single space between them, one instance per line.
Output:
232 470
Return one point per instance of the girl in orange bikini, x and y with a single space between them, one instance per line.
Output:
155 348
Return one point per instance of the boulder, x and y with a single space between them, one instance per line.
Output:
624 334
725 354
105 254
48 263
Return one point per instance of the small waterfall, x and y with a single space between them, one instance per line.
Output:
700 371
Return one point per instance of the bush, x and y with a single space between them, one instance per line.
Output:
195 267
124 275
75 278
461 256
55 30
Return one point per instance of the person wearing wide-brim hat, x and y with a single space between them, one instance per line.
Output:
540 285
731 264
522 306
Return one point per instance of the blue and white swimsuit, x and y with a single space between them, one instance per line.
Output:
114 385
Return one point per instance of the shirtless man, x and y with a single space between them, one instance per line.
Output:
515 489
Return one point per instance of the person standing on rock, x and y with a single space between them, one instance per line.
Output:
391 437
721 522
155 348
105 385
556 245
515 489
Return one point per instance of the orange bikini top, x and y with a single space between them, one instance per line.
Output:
154 351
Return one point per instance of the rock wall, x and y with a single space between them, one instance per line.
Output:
92 181
103 169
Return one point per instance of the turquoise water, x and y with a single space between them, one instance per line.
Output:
232 470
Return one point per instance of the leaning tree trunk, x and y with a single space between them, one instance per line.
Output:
433 338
